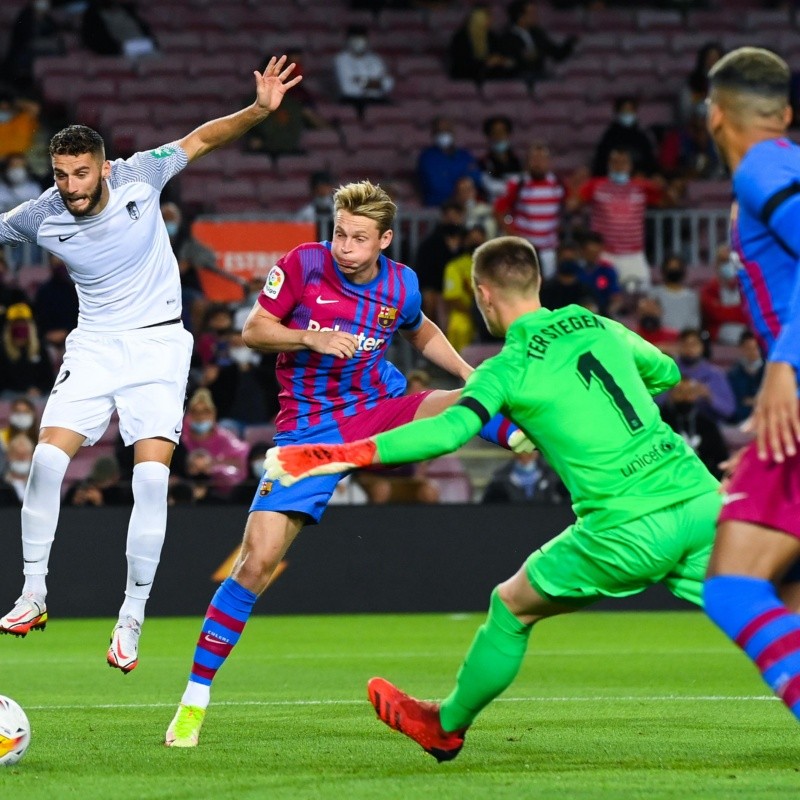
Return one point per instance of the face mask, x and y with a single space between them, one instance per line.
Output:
257 468
752 367
358 45
21 420
627 118
444 140
650 322
501 146
16 175
241 355
727 270
19 467
620 178
673 275
5 116
202 427
172 228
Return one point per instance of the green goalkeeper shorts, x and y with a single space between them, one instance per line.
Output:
672 545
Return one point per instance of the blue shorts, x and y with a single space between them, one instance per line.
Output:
311 495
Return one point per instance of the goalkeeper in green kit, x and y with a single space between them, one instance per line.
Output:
579 386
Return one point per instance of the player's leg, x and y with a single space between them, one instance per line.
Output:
758 543
498 430
40 509
267 537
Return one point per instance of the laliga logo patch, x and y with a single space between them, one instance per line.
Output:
386 316
274 282
133 210
266 488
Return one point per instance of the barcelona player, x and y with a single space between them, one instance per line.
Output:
580 386
758 539
330 309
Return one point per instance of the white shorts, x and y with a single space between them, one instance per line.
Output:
142 373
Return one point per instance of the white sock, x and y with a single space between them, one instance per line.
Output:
40 507
146 531
196 694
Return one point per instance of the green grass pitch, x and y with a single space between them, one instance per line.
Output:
607 705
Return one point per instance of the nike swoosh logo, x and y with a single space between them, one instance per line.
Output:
64 238
214 640
143 584
732 498
324 302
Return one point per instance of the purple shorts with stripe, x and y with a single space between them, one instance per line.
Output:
386 415
764 493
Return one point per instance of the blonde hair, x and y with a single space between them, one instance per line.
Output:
32 349
202 397
478 28
508 262
366 199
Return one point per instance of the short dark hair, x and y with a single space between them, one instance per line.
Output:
357 30
690 333
76 140
516 8
509 262
489 123
624 100
753 70
746 336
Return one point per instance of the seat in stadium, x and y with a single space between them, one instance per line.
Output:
448 473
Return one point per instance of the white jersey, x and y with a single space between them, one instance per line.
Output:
120 260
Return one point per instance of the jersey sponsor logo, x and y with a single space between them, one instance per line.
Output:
366 343
386 316
133 210
648 458
162 152
274 283
65 238
324 302
732 498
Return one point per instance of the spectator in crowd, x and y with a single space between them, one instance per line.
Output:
526 478
18 467
441 245
500 164
17 184
475 52
281 133
476 212
228 454
458 295
692 99
192 256
35 32
714 393
23 418
688 152
528 44
362 76
566 287
204 481
532 207
348 493
617 205
25 366
685 412
321 188
406 485
721 300
10 293
745 376
115 28
442 163
244 492
19 121
418 380
600 275
650 327
102 487
56 306
625 133
679 303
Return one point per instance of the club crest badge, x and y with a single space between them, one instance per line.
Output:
133 210
386 316
265 488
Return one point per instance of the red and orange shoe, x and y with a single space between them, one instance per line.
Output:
415 718
29 614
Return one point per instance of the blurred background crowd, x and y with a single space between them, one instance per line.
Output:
577 125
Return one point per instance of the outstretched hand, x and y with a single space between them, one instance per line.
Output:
272 85
291 463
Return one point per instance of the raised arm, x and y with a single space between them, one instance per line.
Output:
270 89
431 342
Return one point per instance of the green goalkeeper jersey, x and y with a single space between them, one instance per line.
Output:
579 386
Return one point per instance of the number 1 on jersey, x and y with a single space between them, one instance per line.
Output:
588 366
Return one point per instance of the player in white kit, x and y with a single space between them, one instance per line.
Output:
129 351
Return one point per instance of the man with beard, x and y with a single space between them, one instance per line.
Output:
129 351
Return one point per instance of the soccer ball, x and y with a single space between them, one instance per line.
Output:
15 732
